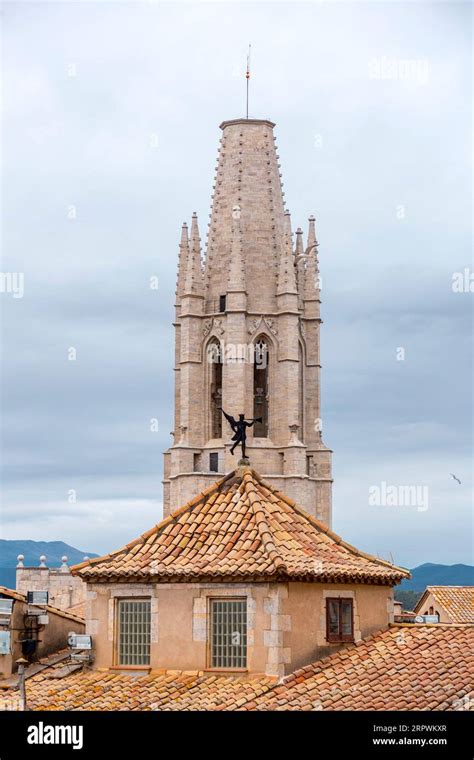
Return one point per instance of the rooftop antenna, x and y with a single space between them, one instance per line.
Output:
247 77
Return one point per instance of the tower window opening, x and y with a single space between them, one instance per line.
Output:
215 359
260 388
222 303
301 398
214 462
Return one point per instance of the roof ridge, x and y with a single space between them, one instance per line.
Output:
324 528
447 586
266 536
431 625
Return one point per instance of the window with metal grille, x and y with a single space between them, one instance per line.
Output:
228 633
339 620
214 462
134 623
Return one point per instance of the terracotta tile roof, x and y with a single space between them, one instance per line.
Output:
407 667
47 662
171 690
69 614
456 601
240 528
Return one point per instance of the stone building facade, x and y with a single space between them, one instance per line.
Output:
66 591
286 622
247 334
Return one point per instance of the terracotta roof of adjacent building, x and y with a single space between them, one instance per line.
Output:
166 690
240 528
456 601
406 667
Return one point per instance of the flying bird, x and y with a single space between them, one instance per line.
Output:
455 478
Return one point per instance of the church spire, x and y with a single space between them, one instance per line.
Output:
248 175
236 281
193 283
286 270
182 260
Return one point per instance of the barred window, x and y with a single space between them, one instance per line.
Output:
228 633
134 623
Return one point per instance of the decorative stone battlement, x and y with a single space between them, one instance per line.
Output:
66 591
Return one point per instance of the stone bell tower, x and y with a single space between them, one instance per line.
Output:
247 334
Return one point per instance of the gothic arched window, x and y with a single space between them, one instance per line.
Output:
214 357
261 372
301 392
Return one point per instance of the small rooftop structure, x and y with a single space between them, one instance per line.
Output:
452 604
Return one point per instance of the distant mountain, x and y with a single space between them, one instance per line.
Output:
407 598
431 574
32 550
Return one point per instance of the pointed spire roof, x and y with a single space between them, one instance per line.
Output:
193 283
236 281
248 175
286 270
240 528
182 259
312 285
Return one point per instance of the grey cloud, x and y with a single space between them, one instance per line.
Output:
152 69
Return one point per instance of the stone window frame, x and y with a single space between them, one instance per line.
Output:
342 593
201 618
212 338
125 591
116 651
209 643
340 637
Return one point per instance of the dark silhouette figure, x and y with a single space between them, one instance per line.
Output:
239 428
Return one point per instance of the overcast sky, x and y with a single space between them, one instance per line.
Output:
111 114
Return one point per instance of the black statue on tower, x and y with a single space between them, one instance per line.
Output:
239 428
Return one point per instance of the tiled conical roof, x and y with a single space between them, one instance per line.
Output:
240 529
